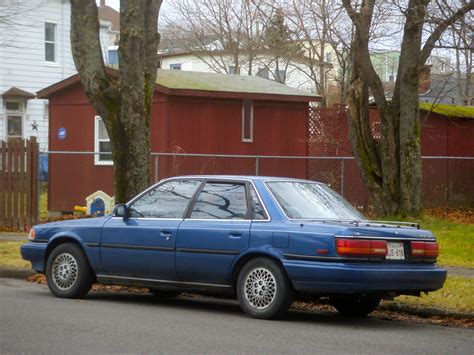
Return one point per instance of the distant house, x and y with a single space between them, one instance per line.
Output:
299 71
35 52
192 112
111 16
443 89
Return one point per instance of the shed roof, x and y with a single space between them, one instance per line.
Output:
229 83
185 83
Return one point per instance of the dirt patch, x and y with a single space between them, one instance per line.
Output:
458 215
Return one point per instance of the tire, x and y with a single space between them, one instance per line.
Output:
163 293
68 272
355 305
263 289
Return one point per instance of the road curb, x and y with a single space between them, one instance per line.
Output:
16 273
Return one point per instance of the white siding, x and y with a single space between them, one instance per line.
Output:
22 64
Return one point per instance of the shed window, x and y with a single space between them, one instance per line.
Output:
102 143
247 121
175 66
50 42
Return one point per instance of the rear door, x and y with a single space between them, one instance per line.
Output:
143 245
215 231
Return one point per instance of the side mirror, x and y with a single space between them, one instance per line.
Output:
121 211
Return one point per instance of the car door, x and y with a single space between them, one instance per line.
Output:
143 245
215 231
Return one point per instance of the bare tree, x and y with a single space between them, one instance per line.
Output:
124 102
391 166
224 34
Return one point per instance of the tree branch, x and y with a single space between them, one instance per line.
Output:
87 54
439 30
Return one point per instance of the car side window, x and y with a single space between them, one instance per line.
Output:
168 200
258 211
221 201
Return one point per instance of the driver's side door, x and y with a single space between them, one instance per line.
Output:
143 245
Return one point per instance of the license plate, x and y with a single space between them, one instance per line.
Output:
395 251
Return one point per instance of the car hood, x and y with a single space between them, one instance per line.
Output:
74 223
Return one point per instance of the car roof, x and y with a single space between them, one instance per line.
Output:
244 177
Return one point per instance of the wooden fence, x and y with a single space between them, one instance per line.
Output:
18 183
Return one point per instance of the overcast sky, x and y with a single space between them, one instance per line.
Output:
116 5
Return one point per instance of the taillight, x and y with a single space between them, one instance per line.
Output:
422 250
361 247
31 236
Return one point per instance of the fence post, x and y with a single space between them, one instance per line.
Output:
342 177
34 180
256 165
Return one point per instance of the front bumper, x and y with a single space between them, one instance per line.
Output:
336 277
34 252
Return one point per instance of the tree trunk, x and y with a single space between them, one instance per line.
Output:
391 165
124 103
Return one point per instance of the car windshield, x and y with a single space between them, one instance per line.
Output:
306 200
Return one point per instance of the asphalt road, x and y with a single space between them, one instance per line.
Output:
32 320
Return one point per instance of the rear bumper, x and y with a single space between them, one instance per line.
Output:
34 252
335 277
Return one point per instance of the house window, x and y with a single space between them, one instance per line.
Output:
112 55
14 126
329 57
231 70
102 143
280 75
263 73
50 42
247 121
14 121
175 66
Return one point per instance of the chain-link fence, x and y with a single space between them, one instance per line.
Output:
72 176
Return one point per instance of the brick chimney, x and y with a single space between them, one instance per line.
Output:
425 79
102 3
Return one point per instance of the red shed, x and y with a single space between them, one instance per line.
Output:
192 113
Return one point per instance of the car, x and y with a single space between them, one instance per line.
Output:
263 240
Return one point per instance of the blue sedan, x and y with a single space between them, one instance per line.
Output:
263 240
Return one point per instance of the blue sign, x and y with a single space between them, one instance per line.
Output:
62 133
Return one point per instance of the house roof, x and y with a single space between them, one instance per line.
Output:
107 13
184 83
17 92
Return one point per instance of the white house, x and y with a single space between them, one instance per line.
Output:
35 52
297 73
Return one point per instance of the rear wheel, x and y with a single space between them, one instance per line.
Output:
68 272
263 289
355 305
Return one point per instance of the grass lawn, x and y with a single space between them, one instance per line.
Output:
456 240
10 256
457 294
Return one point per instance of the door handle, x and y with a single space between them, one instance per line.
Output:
235 234
166 233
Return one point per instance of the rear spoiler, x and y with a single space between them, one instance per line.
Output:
367 223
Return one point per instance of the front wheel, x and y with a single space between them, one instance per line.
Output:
263 289
355 305
68 272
